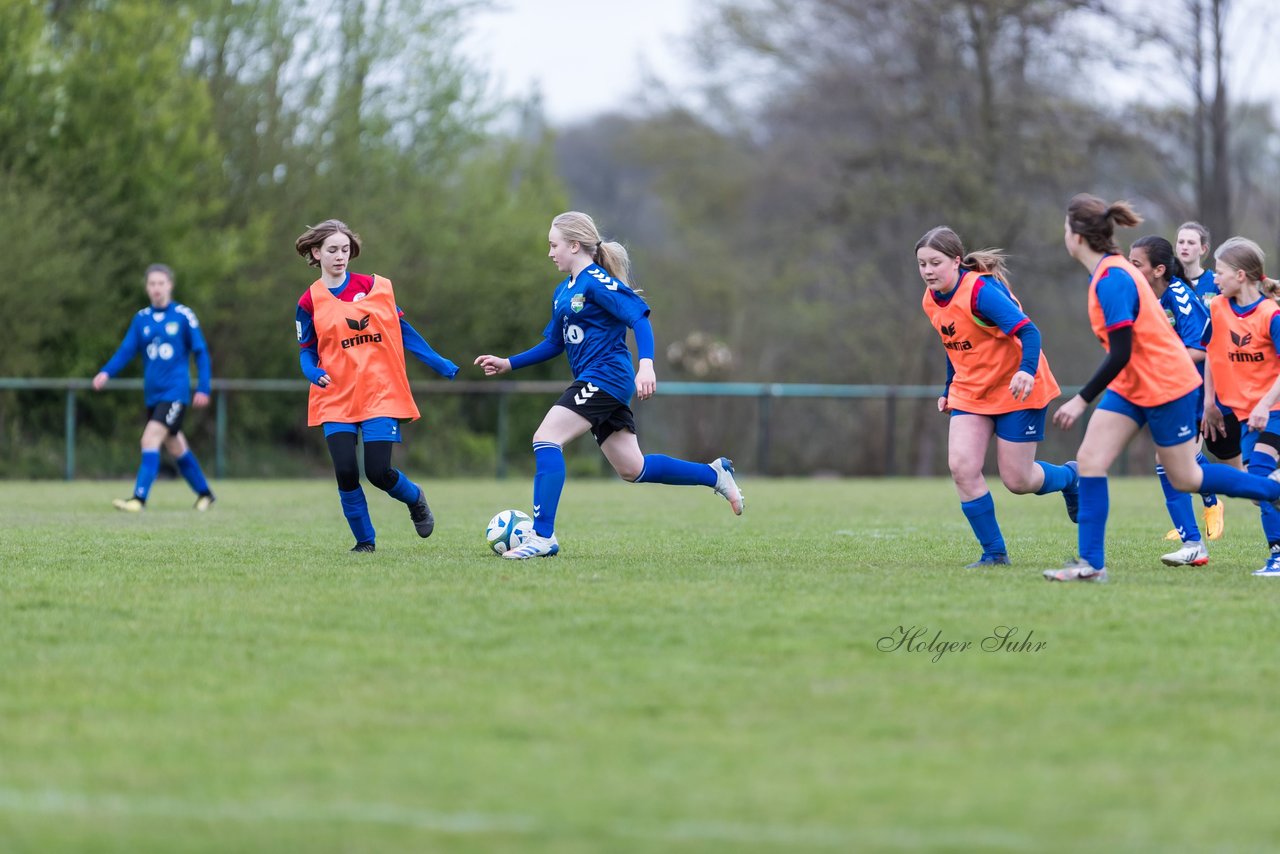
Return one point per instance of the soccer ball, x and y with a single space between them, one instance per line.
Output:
508 529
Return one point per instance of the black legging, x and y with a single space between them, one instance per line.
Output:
377 462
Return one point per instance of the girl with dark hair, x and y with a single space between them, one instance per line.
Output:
1153 257
1243 337
998 383
353 338
1147 379
591 311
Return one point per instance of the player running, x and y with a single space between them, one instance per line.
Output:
353 338
1153 257
167 335
998 382
1243 339
591 311
1147 379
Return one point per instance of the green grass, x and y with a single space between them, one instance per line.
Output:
677 680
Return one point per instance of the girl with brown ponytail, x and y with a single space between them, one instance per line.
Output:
1147 379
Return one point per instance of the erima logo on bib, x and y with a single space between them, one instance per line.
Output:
949 329
362 323
356 340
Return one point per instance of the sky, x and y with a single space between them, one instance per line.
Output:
589 56
584 56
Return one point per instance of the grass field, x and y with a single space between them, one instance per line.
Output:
677 680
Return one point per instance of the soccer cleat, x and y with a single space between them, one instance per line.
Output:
1270 569
363 547
1076 570
204 502
989 560
1071 495
1173 535
1214 523
1192 553
534 546
726 485
423 521
133 504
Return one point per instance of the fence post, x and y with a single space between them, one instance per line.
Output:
70 473
890 428
764 410
501 438
220 435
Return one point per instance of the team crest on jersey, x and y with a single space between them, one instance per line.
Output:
171 327
1168 312
578 302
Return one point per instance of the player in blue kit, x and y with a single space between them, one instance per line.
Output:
167 334
1192 245
1154 258
591 312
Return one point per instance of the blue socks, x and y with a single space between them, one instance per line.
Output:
981 513
1225 480
659 468
1208 498
1056 478
147 472
1095 504
190 468
548 483
356 509
405 490
1262 465
1181 513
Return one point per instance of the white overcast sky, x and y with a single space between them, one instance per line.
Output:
539 43
529 45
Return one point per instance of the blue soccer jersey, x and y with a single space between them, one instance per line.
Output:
166 338
1186 314
1205 286
590 314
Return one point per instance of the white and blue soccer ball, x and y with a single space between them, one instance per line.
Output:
507 530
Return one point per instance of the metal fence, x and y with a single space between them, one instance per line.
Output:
764 394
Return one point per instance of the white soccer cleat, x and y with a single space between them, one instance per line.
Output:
726 485
1191 554
534 546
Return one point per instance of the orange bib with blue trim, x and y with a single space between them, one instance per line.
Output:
1242 355
984 357
1159 368
362 351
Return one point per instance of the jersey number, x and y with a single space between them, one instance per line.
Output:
159 351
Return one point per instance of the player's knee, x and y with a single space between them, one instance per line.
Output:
384 479
1184 478
964 471
1019 483
629 471
348 477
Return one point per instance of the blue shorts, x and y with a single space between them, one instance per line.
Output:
1249 438
1171 423
1021 425
375 429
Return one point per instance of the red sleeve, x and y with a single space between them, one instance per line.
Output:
304 302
